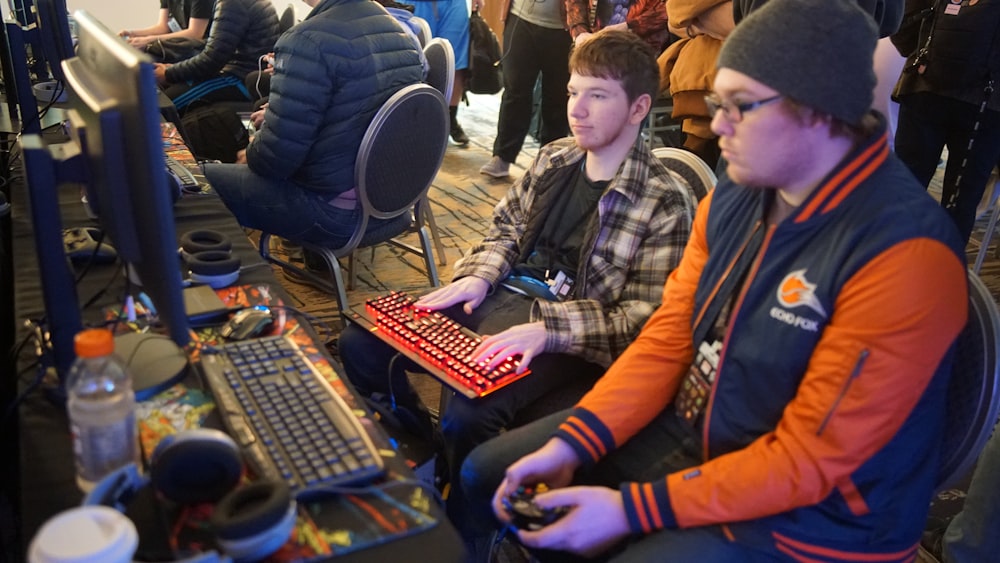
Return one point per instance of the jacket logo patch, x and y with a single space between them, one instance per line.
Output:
796 291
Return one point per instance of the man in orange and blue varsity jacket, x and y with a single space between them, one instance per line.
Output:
786 401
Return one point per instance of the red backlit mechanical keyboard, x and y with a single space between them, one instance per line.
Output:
435 342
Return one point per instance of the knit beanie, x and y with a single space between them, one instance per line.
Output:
816 52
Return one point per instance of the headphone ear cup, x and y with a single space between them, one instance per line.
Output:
254 521
203 240
196 466
217 268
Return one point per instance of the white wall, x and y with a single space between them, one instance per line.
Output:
123 14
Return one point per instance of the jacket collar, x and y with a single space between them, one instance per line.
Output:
856 167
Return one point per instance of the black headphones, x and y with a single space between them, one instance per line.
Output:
197 466
209 258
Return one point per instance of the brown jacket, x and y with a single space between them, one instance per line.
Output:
687 67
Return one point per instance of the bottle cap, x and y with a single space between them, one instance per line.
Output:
94 342
87 534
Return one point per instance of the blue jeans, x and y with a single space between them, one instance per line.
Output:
664 446
929 122
972 535
283 208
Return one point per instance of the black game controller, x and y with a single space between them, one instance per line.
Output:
80 244
525 514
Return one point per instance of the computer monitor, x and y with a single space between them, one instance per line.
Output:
23 11
115 128
54 34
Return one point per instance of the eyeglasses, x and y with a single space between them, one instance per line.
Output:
734 112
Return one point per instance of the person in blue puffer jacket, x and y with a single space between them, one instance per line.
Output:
332 72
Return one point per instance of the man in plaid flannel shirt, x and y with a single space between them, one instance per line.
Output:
574 262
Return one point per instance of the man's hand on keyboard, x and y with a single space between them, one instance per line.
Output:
469 290
526 339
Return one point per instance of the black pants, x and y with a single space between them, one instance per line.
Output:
929 122
530 49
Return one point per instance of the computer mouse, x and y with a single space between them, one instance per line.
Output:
247 323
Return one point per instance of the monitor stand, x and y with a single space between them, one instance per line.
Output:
155 361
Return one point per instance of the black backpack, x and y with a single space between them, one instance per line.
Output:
214 132
484 57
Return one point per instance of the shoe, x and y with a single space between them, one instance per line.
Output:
932 543
292 250
496 168
458 134
321 271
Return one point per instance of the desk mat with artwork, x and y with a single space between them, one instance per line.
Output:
327 525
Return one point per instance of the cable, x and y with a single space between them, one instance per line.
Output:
309 318
392 394
309 493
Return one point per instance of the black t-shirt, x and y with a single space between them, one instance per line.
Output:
559 244
184 10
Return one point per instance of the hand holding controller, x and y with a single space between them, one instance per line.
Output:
269 59
525 514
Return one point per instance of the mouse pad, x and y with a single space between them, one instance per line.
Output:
325 527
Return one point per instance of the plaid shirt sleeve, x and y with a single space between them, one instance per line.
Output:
493 257
640 241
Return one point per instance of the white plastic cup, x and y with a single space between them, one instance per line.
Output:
87 534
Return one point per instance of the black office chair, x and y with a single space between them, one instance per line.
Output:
441 60
398 159
441 75
974 388
690 167
424 34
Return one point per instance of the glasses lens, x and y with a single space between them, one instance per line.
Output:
713 104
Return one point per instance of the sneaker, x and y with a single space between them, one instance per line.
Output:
496 168
458 134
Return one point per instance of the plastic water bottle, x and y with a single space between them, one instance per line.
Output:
101 407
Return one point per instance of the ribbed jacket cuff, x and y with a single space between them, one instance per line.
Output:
647 506
587 435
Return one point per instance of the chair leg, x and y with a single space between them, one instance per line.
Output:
263 246
428 253
429 219
352 266
987 235
338 281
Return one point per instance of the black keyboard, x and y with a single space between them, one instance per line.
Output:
435 342
287 418
184 178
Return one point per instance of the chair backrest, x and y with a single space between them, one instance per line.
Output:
424 33
400 153
690 167
287 19
974 387
441 60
